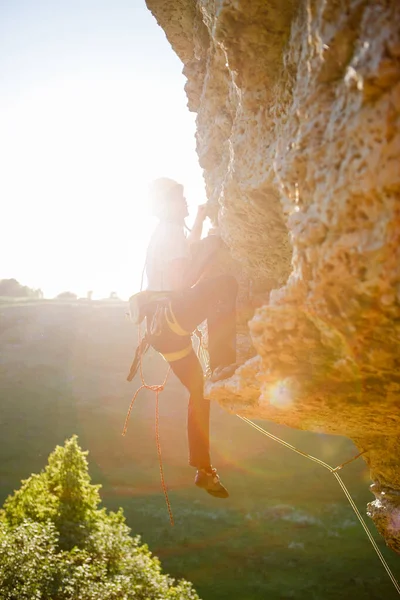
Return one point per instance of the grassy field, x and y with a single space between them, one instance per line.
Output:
287 530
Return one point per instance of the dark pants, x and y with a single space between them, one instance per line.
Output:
215 300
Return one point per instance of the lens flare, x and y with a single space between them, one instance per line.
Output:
279 395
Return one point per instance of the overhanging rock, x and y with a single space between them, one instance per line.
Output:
298 133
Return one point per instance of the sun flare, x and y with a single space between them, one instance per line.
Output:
78 150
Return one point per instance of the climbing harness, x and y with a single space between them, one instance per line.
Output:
173 323
163 312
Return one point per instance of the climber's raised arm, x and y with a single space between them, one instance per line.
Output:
169 258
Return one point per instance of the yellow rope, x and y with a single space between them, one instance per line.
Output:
203 354
342 485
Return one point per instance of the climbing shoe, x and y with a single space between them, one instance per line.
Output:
208 480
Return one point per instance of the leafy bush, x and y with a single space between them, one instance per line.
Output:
28 560
56 544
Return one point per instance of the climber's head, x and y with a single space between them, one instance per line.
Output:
168 202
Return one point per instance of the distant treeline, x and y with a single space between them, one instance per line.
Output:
13 289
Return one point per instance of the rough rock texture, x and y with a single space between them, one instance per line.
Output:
298 133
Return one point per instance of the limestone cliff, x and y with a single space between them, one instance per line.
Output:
298 133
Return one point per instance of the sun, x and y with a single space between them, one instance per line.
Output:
79 154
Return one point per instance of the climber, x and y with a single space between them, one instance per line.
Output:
178 298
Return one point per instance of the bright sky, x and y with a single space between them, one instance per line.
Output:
92 108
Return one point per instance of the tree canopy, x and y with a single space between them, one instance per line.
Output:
57 544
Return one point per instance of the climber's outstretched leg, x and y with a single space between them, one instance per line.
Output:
189 372
215 300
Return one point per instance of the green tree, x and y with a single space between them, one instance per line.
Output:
57 544
62 494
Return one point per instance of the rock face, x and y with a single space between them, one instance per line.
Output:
298 133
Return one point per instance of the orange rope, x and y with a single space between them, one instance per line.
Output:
157 389
164 487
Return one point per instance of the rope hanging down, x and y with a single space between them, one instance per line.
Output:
157 389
